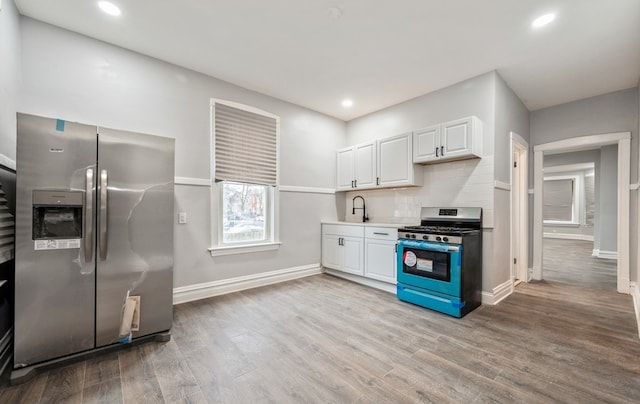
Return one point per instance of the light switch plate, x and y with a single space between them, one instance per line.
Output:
182 217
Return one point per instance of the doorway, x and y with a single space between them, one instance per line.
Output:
579 226
623 141
519 209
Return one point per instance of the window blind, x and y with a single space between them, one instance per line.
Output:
6 229
558 200
245 146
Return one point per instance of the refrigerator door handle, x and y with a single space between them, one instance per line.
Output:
88 217
103 215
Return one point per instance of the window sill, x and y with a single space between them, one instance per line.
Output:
560 223
243 249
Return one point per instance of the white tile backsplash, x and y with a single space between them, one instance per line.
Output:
456 183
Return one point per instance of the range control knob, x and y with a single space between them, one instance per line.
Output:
445 239
407 235
438 238
413 236
425 237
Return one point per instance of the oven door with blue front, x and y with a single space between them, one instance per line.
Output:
429 274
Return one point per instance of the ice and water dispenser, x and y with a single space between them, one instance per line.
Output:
57 215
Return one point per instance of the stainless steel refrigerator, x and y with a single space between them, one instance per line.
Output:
94 226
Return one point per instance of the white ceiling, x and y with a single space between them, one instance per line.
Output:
377 52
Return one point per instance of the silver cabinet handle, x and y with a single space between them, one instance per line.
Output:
380 234
103 215
88 217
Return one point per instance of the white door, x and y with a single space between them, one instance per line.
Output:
331 251
345 168
395 161
425 143
365 165
456 138
381 260
353 251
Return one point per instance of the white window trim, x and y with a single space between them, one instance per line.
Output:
575 209
217 248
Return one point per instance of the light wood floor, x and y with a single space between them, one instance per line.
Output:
322 339
571 262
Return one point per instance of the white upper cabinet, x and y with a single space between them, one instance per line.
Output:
346 168
395 162
383 163
356 167
455 140
365 175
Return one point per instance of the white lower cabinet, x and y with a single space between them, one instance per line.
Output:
380 253
367 251
343 248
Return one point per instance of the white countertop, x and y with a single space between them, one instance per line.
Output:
367 224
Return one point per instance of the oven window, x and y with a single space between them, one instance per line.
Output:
428 264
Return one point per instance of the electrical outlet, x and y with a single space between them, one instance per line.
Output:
182 217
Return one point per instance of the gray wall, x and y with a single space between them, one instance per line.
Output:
608 113
510 116
606 230
69 76
9 80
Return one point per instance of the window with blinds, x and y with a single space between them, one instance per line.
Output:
245 148
7 224
245 168
559 200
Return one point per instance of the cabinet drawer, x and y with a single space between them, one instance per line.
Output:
343 230
381 233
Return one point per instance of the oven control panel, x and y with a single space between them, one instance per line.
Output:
439 238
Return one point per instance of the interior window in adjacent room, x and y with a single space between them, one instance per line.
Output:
560 195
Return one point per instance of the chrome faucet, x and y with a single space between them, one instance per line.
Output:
364 211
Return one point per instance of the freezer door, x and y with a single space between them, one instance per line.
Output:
135 232
54 273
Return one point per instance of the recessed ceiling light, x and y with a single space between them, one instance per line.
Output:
109 8
543 20
347 103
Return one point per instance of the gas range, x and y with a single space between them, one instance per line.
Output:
439 263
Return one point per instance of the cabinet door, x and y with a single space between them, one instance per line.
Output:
353 255
365 165
395 161
345 168
456 138
426 142
380 260
331 251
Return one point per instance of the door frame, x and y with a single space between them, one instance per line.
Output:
623 141
519 209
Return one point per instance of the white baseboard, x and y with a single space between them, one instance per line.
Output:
607 255
569 236
634 289
498 294
387 287
199 291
